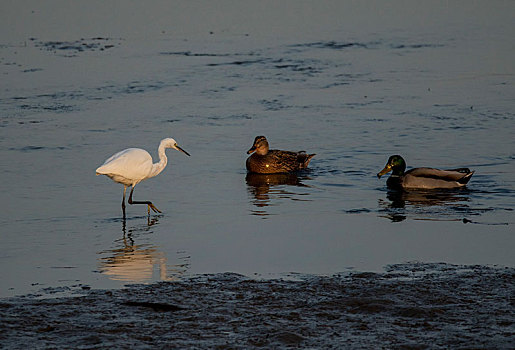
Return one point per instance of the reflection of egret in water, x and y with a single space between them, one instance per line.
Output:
139 263
265 188
425 204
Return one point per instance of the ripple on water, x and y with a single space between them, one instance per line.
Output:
30 148
76 47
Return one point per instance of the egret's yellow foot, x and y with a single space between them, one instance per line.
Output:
153 207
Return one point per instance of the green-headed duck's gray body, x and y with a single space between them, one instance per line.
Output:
267 161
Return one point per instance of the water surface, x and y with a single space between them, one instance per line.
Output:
353 83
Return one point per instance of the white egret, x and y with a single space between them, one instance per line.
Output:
133 165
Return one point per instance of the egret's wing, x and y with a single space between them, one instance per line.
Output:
131 163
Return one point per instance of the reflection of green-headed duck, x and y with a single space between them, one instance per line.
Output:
265 161
423 178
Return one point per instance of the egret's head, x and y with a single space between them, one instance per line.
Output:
260 146
171 143
396 164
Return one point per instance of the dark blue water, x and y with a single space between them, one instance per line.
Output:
352 84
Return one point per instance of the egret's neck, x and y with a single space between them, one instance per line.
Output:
163 160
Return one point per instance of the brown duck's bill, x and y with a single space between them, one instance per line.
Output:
386 169
252 149
183 151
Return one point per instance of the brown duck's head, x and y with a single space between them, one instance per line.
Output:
260 146
395 164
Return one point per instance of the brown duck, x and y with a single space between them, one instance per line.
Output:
273 161
423 178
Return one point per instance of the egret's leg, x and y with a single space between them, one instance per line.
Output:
148 203
123 200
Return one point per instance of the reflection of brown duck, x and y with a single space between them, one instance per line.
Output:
423 178
267 180
260 184
261 187
266 161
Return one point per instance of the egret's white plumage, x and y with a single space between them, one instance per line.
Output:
133 165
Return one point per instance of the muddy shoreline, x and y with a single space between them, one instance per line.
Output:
409 306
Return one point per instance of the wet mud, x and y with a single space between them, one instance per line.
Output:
409 306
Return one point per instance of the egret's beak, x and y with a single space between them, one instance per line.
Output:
180 149
252 149
386 169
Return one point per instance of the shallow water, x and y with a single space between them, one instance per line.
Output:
353 83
